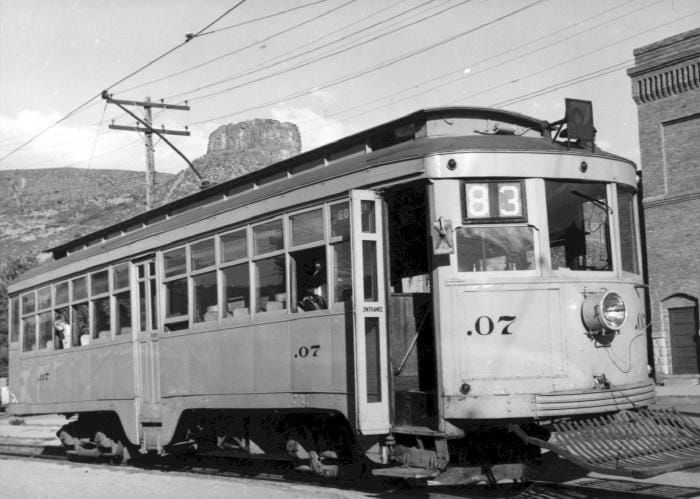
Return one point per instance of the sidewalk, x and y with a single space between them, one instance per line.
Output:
685 398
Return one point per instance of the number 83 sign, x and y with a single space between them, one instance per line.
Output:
493 200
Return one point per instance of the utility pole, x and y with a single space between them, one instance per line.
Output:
148 130
150 159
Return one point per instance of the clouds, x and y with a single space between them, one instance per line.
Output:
315 129
87 146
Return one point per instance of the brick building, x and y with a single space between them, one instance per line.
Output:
666 88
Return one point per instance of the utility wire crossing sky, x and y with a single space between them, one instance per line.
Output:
333 67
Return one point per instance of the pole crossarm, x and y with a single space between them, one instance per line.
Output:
148 130
161 104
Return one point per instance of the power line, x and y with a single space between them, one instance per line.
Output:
492 88
375 68
461 75
151 62
269 16
566 83
280 60
240 49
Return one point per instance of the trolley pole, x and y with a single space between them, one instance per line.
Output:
148 131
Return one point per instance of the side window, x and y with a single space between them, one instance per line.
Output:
148 304
235 273
269 265
340 249
176 291
100 303
63 331
44 322
80 313
495 235
122 298
579 225
309 269
204 288
14 321
28 321
628 230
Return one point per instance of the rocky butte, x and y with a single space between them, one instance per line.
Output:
235 150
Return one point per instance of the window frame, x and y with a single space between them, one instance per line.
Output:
96 335
224 265
292 271
114 294
613 242
25 316
193 274
258 257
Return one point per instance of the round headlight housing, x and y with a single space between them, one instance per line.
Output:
613 312
604 310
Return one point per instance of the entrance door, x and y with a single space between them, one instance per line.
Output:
371 359
146 296
685 348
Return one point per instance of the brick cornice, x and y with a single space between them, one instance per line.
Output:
666 200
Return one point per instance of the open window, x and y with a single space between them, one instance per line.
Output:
579 225
309 269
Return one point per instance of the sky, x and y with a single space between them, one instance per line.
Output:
332 67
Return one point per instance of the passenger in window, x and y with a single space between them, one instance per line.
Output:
311 281
63 333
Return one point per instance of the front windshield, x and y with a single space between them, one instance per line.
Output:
495 248
579 230
496 236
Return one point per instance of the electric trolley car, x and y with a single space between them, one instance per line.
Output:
434 298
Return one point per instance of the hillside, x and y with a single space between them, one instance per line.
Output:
40 209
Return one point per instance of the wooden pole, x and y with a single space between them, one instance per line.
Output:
150 161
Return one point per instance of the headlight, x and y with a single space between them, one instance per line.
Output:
613 311
603 311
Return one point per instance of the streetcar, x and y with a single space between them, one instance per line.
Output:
434 298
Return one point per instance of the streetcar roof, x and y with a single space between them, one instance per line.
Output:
246 186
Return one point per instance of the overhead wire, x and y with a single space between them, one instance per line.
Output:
121 80
606 70
235 51
377 67
277 61
461 71
262 18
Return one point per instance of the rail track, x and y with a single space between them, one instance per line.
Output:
283 471
232 468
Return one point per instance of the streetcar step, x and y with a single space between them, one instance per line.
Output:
406 472
640 444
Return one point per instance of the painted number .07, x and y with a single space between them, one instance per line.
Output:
310 351
485 325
